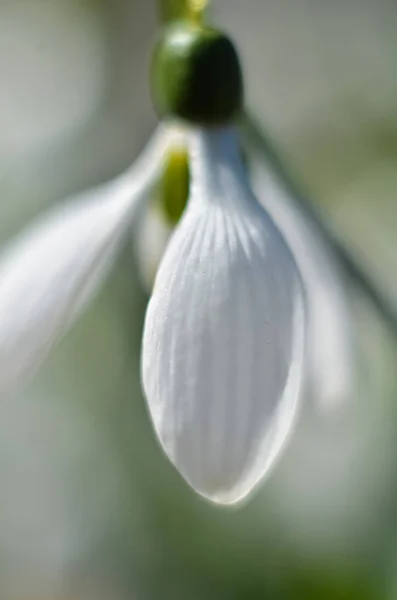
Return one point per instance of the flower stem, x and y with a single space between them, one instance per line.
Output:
193 10
351 264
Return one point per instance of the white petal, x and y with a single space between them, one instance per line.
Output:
151 239
53 269
150 242
330 341
223 339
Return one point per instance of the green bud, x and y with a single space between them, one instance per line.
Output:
196 75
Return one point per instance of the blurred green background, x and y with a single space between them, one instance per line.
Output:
90 509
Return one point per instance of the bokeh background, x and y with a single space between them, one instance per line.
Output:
90 509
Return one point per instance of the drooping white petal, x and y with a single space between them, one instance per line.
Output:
224 331
150 242
52 270
155 228
330 365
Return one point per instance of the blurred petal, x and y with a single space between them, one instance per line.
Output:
163 213
223 339
330 341
150 242
52 270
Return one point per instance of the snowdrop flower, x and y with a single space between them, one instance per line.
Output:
223 339
223 346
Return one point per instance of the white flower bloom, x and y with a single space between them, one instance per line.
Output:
223 341
54 268
223 351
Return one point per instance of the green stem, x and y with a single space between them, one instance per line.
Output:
350 262
171 10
